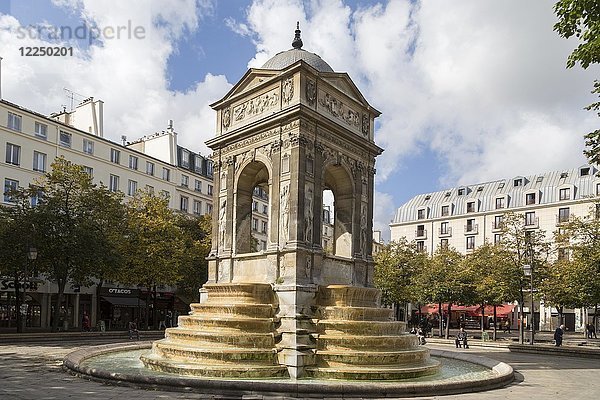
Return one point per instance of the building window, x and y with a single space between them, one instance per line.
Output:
39 161
444 230
499 203
421 214
564 194
150 168
518 182
420 230
562 254
131 187
209 208
184 203
185 158
254 224
530 198
263 227
445 211
14 122
150 189
255 206
444 243
165 194
501 185
41 130
166 174
197 207
113 183
563 214
133 162
185 180
265 209
420 245
597 189
498 221
470 225
470 242
9 184
89 171
530 218
461 191
209 168
584 171
263 245
471 206
497 238
65 139
13 154
198 164
115 156
210 190
198 185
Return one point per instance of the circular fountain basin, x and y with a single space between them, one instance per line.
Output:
121 364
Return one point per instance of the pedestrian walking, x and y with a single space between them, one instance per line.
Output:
593 332
558 335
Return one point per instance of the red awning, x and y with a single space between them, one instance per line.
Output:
502 311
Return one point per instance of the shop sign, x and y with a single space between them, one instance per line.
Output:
8 285
121 292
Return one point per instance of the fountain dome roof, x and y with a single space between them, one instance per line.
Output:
296 53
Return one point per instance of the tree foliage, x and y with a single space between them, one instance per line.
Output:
396 269
581 19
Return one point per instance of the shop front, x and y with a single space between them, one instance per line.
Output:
119 306
30 310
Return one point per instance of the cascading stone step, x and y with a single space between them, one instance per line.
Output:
229 339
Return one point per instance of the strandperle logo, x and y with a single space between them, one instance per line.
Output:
83 31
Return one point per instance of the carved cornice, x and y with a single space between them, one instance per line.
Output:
252 139
256 105
339 110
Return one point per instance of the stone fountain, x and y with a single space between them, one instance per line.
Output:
294 128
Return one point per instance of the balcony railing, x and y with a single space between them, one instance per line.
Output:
532 223
421 233
561 219
497 225
445 231
471 229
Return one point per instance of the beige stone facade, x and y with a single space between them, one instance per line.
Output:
294 129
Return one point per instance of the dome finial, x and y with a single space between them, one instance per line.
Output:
297 43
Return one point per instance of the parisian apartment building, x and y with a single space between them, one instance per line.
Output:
155 163
467 216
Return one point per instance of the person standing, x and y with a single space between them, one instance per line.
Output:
85 322
461 338
558 335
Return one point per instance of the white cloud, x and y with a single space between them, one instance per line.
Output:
129 73
481 84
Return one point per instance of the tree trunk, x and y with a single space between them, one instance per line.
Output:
448 323
521 319
59 297
98 308
154 311
440 319
18 303
495 323
482 319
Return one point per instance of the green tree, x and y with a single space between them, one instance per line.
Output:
578 243
154 246
396 267
443 281
496 279
197 242
581 19
17 231
523 246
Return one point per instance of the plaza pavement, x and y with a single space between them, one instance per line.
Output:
32 369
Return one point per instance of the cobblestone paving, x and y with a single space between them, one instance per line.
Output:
34 371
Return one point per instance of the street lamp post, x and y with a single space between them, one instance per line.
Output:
31 257
528 270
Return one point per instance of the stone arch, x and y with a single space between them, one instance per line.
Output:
251 175
338 179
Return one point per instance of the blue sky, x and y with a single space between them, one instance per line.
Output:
470 91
